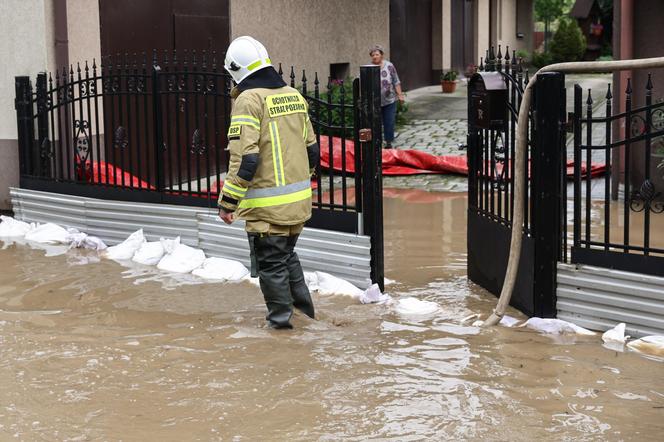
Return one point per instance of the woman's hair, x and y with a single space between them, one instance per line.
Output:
375 48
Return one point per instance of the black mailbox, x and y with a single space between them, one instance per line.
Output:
488 100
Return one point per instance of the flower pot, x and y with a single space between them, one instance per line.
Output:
448 86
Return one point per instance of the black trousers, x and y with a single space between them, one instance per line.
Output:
274 261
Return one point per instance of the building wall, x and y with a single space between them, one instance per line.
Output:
83 30
345 30
25 48
515 16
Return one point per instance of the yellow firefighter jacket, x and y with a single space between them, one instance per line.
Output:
273 152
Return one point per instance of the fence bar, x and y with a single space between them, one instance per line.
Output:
372 209
607 176
589 143
158 135
648 149
546 170
628 132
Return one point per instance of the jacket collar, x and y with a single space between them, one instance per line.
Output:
265 78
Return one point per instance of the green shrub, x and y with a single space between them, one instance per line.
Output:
449 76
568 43
541 59
523 54
605 58
332 116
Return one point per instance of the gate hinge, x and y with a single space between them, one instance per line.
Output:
365 135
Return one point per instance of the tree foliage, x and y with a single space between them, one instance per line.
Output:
568 42
549 10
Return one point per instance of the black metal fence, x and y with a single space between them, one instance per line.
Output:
626 234
152 128
491 153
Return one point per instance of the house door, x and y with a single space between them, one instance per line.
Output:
463 35
410 41
142 25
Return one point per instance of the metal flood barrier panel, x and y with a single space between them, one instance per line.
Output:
344 255
598 298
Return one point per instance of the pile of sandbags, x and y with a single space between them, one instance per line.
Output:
172 256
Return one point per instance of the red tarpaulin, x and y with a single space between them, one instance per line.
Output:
412 162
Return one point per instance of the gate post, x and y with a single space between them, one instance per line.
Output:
157 125
42 162
25 122
547 181
372 168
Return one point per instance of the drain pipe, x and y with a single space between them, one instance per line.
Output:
520 163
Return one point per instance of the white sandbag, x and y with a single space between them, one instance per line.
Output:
650 345
415 307
331 285
373 295
183 259
509 321
169 244
616 334
127 248
150 253
221 269
311 279
48 233
12 228
555 327
80 240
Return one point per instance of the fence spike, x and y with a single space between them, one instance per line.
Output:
94 64
481 66
214 60
514 62
185 57
204 61
500 53
608 92
507 54
628 89
304 76
292 76
526 77
175 57
281 71
589 101
649 86
86 68
316 78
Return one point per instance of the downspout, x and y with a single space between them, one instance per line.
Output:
60 33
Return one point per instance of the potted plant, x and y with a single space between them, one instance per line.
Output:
448 81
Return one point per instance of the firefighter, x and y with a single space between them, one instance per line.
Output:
273 153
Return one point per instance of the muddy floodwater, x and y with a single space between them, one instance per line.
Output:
96 351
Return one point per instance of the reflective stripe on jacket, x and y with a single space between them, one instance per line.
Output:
270 168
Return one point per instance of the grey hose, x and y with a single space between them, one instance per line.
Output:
520 163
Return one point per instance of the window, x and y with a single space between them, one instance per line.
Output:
339 71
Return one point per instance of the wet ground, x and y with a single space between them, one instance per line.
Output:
98 352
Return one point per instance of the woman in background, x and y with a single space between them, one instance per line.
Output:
390 92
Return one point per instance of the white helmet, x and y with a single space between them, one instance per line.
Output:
245 55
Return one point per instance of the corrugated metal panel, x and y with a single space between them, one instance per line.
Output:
341 254
599 298
344 255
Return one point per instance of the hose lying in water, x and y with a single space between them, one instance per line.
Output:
520 163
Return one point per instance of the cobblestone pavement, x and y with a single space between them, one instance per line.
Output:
445 130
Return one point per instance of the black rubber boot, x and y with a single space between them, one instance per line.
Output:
271 256
299 291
